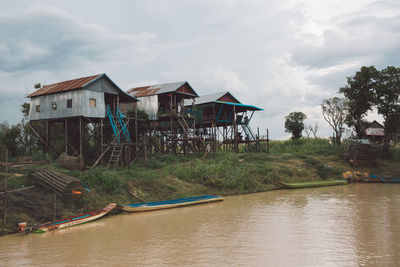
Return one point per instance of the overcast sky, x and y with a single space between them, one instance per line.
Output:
282 56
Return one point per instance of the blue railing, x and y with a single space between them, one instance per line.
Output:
125 131
113 124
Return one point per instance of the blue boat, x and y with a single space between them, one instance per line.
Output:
390 179
168 204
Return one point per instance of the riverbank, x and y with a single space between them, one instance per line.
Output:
168 177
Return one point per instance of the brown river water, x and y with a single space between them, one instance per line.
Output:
354 225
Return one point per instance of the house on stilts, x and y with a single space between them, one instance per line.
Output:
171 129
81 109
223 117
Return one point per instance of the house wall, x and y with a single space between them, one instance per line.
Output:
80 105
149 104
80 102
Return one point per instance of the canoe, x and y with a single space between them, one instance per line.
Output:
168 204
371 179
71 221
317 183
389 179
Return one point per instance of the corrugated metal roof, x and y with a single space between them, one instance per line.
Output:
65 86
245 107
156 89
211 98
77 84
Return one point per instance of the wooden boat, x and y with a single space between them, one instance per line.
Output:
167 204
317 183
71 221
390 179
371 179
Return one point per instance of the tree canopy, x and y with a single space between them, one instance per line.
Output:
295 124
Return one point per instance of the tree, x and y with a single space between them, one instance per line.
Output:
334 111
295 124
359 94
311 129
387 101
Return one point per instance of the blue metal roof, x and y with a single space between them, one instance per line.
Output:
250 107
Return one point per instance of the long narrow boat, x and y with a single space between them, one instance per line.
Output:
390 179
167 204
317 183
71 221
371 179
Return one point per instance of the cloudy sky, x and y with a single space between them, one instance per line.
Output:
282 56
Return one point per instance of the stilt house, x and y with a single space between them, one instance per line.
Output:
89 100
161 100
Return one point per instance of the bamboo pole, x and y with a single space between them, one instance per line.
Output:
55 207
6 185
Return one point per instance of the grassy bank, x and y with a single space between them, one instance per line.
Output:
167 177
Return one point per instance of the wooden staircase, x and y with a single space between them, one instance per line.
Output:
115 155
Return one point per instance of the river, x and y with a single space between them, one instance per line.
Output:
353 225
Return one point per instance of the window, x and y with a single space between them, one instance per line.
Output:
37 108
69 103
54 105
92 102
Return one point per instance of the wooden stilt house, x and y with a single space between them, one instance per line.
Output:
89 100
223 113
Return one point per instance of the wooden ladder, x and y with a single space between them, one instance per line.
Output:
115 155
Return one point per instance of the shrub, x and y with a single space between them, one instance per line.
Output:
107 180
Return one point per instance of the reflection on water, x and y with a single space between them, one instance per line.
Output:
354 225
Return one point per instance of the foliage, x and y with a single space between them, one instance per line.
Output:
360 97
305 146
25 109
11 138
295 124
388 98
334 111
108 181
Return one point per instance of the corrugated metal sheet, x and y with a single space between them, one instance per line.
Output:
64 86
157 89
85 82
210 98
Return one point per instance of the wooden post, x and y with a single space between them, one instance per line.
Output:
258 140
30 141
6 185
145 149
47 136
101 140
55 207
66 135
80 141
267 140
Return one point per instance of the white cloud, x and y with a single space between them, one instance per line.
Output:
281 56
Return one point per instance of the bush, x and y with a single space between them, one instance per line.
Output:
108 181
305 146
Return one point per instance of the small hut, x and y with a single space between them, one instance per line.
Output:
375 132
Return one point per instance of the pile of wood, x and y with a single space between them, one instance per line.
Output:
63 185
70 162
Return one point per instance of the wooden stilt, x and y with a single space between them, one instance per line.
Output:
66 135
80 141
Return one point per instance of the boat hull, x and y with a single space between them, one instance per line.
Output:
72 221
319 183
390 179
168 204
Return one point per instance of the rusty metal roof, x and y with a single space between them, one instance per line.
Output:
77 84
157 89
65 86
